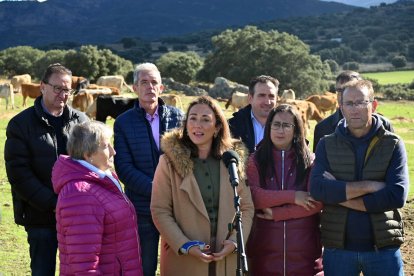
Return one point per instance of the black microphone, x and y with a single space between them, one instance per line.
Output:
231 160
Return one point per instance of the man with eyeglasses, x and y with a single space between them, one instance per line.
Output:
328 125
249 122
360 174
35 138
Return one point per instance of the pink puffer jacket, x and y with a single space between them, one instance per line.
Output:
96 223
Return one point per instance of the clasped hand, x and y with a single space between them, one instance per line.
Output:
207 256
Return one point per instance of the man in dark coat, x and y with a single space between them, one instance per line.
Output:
35 138
248 123
137 134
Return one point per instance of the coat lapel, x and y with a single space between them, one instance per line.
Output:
189 185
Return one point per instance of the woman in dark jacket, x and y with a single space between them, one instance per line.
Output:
285 237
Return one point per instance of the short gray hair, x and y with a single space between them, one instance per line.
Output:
147 66
86 137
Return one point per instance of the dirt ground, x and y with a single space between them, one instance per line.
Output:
407 248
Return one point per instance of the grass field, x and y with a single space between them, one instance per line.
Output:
14 258
391 77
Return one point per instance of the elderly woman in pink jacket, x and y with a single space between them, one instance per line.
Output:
96 223
285 238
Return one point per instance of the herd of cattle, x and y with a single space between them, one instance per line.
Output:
104 98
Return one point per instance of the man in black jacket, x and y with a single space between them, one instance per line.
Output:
248 123
328 125
35 138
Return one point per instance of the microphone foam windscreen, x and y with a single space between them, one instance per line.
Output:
230 156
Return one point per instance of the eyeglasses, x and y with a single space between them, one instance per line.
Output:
357 105
284 126
58 89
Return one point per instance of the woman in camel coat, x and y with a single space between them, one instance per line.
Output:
192 198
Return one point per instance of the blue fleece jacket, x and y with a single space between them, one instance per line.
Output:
359 230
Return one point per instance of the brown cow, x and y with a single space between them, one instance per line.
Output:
326 102
307 111
82 101
79 82
31 90
173 100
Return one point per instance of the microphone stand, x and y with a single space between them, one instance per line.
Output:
237 224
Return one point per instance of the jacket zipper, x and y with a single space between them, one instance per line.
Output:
284 222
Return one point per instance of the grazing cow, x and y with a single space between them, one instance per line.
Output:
91 110
6 92
113 106
82 100
288 94
172 100
237 100
114 81
324 102
98 91
18 80
115 91
31 90
307 111
79 82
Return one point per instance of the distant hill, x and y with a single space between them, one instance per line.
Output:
373 35
363 3
105 21
363 35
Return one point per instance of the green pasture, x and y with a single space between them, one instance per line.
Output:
391 77
14 257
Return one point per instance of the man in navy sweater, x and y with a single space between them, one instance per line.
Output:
137 134
328 125
361 176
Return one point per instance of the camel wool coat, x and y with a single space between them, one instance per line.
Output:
180 215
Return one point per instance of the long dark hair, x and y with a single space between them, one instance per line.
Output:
264 154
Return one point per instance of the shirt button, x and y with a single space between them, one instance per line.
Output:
209 187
